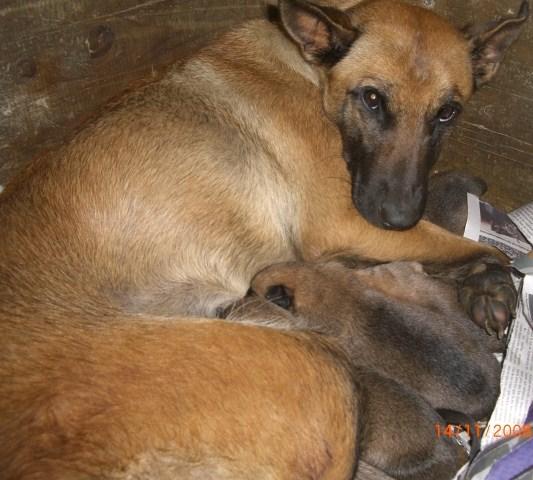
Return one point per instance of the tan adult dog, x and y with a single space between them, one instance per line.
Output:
169 204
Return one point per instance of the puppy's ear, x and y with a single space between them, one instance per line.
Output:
324 34
490 42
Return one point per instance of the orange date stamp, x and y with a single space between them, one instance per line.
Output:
476 430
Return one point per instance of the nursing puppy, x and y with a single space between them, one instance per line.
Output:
393 318
254 152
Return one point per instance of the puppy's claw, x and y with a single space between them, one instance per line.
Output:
487 327
499 333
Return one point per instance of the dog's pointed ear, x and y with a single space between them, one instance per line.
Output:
490 42
324 34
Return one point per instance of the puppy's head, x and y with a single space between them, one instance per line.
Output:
296 296
395 79
314 296
330 291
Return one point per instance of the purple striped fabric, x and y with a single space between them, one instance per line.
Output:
520 460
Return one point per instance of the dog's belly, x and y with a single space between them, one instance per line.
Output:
200 279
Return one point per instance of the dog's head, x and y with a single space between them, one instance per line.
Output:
395 79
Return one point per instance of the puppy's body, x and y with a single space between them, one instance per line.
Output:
393 318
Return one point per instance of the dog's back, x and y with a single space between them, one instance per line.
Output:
173 200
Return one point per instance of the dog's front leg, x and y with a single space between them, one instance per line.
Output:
481 272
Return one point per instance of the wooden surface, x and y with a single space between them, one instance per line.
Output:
495 136
62 60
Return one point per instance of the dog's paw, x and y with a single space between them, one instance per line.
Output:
489 296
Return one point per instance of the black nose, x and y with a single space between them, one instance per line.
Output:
396 217
402 213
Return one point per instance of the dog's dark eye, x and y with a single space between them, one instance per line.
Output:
280 295
447 113
372 99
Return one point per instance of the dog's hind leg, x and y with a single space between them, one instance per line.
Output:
96 398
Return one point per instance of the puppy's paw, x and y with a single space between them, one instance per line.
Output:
489 296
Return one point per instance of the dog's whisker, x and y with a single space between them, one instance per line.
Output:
250 306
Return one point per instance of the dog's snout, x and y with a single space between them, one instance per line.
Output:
225 310
403 211
392 202
394 217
